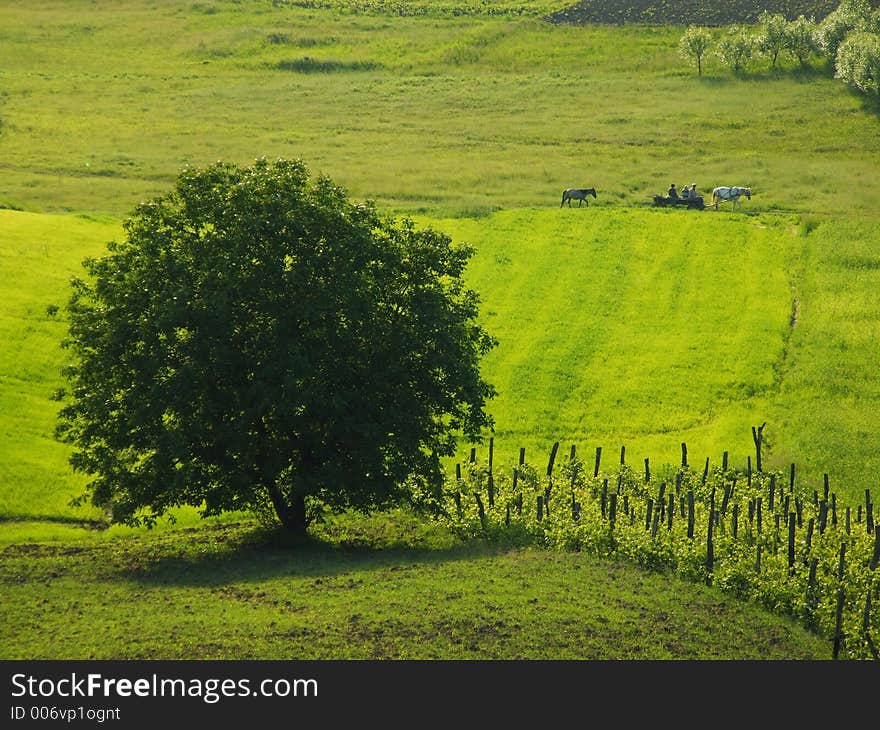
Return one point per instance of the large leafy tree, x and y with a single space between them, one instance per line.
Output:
258 340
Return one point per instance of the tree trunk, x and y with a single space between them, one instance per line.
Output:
293 515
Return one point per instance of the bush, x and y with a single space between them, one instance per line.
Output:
645 520
849 16
858 62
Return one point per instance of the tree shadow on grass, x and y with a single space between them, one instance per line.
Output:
211 557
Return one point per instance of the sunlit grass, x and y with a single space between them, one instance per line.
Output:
616 327
103 106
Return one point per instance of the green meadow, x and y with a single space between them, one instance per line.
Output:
102 105
619 325
364 592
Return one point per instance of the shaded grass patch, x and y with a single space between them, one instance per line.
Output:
308 64
235 592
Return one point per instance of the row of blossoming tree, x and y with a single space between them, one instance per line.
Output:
848 37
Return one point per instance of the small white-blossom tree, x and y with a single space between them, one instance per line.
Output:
801 39
772 35
736 48
694 45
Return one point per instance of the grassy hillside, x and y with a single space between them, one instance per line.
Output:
616 327
103 104
364 591
644 329
617 324
38 255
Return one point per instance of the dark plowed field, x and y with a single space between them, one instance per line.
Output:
688 12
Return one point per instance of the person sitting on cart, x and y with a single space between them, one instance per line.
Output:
672 192
685 193
693 193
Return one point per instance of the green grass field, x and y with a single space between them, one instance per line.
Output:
618 324
103 105
364 593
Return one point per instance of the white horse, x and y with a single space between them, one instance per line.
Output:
578 194
730 193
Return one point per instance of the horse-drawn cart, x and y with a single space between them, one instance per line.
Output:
665 201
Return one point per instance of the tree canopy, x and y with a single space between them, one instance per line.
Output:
259 341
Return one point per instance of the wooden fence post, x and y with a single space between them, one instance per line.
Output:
491 476
684 455
598 459
792 523
758 516
875 558
690 497
647 471
866 615
841 597
552 459
812 601
728 489
481 511
710 545
809 544
604 498
866 625
758 438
